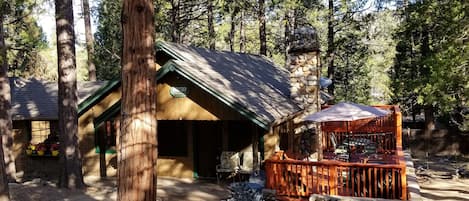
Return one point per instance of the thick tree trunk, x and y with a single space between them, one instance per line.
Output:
262 34
242 34
89 41
137 146
70 158
211 28
330 46
5 112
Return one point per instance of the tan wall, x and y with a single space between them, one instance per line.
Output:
271 144
87 141
198 105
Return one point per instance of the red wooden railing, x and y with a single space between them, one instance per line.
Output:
295 178
298 178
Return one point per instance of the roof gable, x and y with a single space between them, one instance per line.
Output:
34 99
250 84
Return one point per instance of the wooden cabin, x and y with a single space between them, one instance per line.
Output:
208 102
35 120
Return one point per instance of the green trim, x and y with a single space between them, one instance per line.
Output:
97 96
108 151
174 67
113 110
161 45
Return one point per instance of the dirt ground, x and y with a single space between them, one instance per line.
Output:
438 179
169 189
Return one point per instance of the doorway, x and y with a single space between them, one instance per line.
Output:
207 147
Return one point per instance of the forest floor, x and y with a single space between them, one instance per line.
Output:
438 179
105 190
436 176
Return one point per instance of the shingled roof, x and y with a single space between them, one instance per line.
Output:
251 84
34 99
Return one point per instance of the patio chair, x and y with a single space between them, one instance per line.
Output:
338 149
247 163
229 163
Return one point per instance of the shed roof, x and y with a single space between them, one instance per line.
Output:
251 84
34 99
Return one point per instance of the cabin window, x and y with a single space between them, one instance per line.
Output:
44 139
172 138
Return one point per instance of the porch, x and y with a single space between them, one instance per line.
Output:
362 158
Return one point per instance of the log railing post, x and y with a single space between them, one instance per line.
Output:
333 180
402 163
398 127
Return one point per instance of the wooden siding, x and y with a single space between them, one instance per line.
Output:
86 135
198 105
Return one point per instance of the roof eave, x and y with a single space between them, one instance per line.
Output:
97 96
171 66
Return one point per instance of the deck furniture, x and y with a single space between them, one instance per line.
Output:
376 167
229 164
246 166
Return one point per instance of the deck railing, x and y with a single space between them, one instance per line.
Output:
296 178
299 178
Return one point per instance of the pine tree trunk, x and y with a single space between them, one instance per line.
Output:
175 35
70 158
262 34
330 46
137 155
5 111
287 33
211 29
89 41
242 34
232 29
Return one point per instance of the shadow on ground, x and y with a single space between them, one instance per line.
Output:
169 189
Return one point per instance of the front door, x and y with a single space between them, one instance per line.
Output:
207 139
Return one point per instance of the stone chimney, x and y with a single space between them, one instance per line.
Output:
303 64
304 67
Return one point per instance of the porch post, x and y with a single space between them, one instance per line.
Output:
255 148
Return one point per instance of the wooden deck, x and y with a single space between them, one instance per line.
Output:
375 177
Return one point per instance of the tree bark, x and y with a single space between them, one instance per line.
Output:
211 28
137 146
70 158
175 35
242 34
89 41
262 33
5 111
330 46
232 29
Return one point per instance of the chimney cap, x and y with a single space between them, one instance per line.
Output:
305 39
